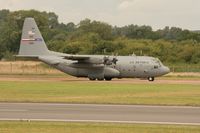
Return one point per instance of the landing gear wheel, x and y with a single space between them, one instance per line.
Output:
151 79
92 79
108 79
100 79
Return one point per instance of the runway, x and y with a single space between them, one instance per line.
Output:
100 113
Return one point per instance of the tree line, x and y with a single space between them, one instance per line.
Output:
170 44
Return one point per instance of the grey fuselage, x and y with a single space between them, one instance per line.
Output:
125 67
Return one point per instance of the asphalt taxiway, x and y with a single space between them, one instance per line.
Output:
100 113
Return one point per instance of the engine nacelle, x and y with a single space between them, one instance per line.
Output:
94 61
106 60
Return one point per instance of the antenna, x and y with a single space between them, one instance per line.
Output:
141 52
104 51
133 54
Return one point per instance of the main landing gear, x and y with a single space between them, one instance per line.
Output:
100 79
92 79
151 79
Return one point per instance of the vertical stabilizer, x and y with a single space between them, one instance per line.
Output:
32 42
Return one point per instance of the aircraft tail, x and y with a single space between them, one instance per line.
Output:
32 43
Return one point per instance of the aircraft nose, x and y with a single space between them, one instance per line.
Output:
166 70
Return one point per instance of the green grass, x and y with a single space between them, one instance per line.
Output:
63 127
101 93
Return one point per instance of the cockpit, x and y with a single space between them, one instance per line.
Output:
157 63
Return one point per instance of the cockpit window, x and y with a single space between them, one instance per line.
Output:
157 61
155 67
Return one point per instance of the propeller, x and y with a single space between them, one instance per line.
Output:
115 60
109 61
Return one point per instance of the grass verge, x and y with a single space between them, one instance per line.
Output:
64 127
100 93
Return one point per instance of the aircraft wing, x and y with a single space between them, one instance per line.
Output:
53 60
85 59
77 57
92 59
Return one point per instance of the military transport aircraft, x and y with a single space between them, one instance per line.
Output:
94 67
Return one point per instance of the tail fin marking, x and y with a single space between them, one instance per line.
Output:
32 42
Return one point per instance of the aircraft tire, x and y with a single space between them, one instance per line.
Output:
108 79
92 79
151 79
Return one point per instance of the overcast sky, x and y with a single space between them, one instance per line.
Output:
156 13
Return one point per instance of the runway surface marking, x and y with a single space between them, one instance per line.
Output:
7 110
100 121
100 113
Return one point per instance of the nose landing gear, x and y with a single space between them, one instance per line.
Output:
151 79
